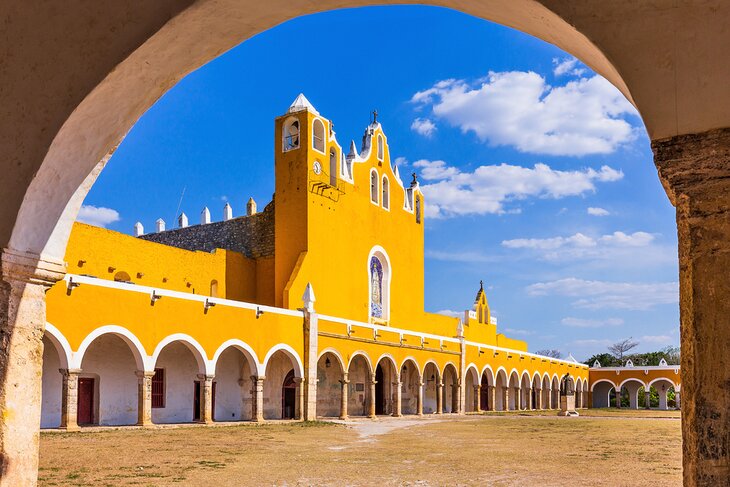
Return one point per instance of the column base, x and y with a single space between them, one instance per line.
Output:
70 429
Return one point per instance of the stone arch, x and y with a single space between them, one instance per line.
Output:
555 392
525 391
140 355
486 381
56 356
205 366
501 382
282 386
289 352
410 380
513 395
536 385
234 364
336 355
59 342
387 381
600 393
248 352
431 380
366 357
450 378
471 382
663 386
330 373
360 374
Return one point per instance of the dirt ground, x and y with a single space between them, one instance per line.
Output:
600 448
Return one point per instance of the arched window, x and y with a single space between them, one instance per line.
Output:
386 195
381 149
291 135
418 209
333 167
213 288
379 284
122 277
374 186
318 135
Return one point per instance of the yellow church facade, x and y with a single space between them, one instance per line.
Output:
313 307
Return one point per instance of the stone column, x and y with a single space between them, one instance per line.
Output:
477 399
518 398
300 406
311 343
676 400
492 391
257 398
371 402
529 398
144 397
695 172
206 398
397 409
538 398
505 398
647 396
617 394
344 396
70 399
455 399
419 399
439 397
25 279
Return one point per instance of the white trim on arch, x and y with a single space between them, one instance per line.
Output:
205 366
539 378
593 386
336 354
60 344
674 384
416 365
243 347
140 355
477 377
433 362
371 367
446 366
290 352
491 374
378 251
632 379
517 373
506 377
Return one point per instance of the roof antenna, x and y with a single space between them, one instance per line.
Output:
179 204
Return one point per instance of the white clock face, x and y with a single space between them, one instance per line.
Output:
317 168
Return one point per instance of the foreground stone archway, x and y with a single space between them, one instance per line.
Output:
56 133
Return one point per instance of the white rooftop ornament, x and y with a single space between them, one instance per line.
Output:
205 216
138 229
251 207
492 320
629 363
596 363
160 225
662 363
301 103
308 298
353 150
571 358
460 329
182 220
227 212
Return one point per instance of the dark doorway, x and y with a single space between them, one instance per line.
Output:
379 390
198 391
484 395
85 404
288 396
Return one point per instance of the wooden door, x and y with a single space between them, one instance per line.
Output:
196 401
85 404
288 397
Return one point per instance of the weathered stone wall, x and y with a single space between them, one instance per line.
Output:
253 236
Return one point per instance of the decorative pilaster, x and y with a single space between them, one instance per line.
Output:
439 397
311 344
70 399
344 398
144 397
25 279
257 398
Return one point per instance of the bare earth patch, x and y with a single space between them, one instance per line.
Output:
499 450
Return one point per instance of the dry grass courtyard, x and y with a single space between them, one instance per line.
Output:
633 448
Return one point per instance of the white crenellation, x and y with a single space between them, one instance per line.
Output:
182 220
138 229
160 225
251 207
205 216
227 212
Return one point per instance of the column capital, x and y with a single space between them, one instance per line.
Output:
69 372
298 380
144 373
31 268
258 378
206 377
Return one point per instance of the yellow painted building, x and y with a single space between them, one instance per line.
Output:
313 307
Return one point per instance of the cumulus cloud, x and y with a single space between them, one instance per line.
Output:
451 192
97 215
589 323
423 126
520 109
604 294
518 332
460 256
568 65
450 312
618 239
598 211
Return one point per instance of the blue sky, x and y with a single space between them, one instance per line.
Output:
538 174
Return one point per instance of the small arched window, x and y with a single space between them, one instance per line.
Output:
318 135
213 288
122 277
374 186
333 167
379 284
291 135
418 209
386 193
381 148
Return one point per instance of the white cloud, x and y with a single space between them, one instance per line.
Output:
567 65
401 161
97 215
657 339
604 294
520 109
459 256
423 126
518 332
579 240
450 312
598 211
450 192
588 323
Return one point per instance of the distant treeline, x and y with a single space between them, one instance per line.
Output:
670 354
